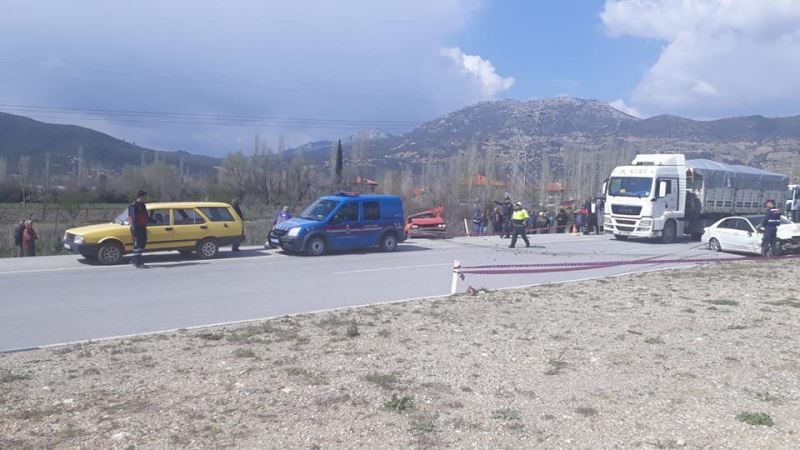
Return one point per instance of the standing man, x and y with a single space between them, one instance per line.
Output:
476 220
519 220
138 218
238 210
29 238
562 220
770 225
508 210
18 232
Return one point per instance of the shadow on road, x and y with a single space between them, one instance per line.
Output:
403 248
160 257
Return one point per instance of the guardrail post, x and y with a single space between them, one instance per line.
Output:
466 226
456 273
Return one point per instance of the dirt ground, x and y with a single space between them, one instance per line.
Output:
699 357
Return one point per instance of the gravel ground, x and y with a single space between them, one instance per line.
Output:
636 361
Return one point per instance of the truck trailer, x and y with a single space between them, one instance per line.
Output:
665 196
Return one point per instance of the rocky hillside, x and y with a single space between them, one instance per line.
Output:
549 127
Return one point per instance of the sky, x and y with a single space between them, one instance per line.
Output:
207 76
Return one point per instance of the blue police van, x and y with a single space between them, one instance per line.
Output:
343 221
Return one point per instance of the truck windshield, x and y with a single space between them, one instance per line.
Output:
630 186
319 210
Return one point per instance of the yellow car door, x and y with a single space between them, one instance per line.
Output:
189 227
223 223
159 231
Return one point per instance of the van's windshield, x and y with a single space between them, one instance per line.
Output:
630 187
319 210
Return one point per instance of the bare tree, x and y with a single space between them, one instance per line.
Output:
24 169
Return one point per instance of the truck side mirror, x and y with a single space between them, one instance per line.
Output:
605 186
663 186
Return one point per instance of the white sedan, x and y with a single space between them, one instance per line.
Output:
743 235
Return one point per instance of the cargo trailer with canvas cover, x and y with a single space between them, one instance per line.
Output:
666 196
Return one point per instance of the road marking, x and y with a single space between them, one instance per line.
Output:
382 269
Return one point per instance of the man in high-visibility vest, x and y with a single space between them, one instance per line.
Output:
519 220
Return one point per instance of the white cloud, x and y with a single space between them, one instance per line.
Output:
620 105
721 57
357 59
481 69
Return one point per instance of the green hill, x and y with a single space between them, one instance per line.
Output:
21 136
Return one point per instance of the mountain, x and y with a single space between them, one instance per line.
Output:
554 126
21 136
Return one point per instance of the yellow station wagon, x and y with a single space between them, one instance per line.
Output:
187 227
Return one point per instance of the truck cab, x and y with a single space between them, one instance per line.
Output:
646 198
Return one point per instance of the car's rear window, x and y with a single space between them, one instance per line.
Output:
217 214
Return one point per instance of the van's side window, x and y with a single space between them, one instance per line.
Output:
348 212
372 211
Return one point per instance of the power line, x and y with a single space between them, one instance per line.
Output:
185 118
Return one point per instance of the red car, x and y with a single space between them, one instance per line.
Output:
428 223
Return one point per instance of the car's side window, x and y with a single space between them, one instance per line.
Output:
372 211
727 224
159 217
186 216
743 225
348 212
217 214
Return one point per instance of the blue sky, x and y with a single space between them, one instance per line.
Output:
314 69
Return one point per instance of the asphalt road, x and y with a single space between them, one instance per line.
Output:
50 300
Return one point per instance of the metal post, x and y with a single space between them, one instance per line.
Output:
466 226
454 282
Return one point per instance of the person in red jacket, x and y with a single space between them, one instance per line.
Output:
138 220
29 238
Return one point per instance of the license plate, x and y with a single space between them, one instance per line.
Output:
623 233
68 247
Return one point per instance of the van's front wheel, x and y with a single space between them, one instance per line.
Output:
389 242
316 246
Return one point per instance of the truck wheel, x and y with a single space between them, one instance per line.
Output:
670 233
207 248
316 246
713 244
110 253
620 237
389 242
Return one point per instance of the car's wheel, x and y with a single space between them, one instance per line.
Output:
620 237
186 252
110 253
389 242
207 248
316 246
713 244
670 233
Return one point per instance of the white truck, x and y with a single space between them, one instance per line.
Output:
792 195
666 196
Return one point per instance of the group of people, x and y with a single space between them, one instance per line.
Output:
25 238
587 219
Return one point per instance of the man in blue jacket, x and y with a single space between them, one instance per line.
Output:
770 223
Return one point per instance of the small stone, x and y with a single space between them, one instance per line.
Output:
119 436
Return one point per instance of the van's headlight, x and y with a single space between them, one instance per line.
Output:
78 240
293 232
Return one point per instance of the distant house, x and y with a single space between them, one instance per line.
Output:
361 185
483 181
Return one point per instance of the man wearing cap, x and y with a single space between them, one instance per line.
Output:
519 220
138 219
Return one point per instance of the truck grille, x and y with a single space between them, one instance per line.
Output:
626 210
624 228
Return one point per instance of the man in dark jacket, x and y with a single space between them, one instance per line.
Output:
18 231
138 219
507 209
562 219
770 223
238 210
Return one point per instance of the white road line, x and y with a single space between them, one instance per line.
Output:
382 269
